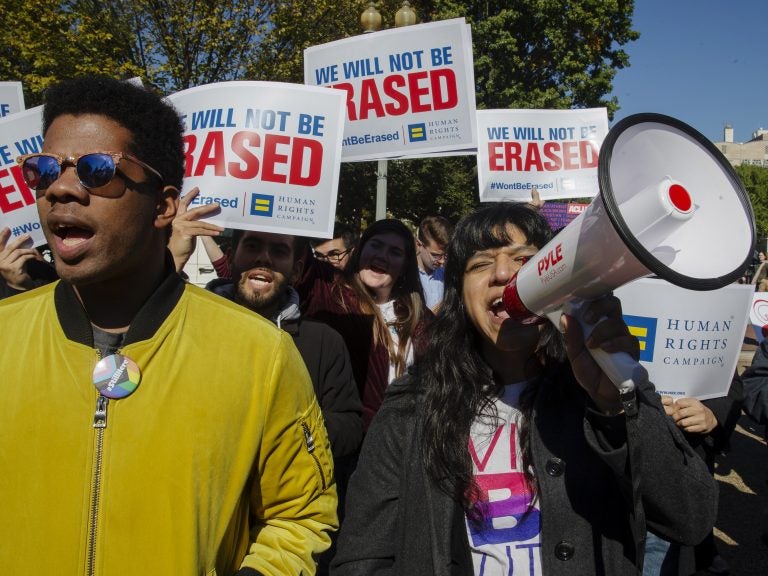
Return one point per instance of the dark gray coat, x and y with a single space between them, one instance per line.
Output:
398 522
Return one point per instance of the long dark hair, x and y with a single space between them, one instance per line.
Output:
407 292
459 385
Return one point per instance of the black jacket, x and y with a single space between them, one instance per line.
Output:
329 366
755 380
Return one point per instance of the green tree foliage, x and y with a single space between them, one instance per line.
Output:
545 53
42 42
186 43
296 25
170 44
755 180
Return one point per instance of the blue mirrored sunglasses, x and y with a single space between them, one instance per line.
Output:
94 170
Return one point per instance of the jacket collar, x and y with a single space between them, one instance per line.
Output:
77 326
287 317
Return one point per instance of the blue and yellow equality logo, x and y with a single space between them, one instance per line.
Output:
644 329
417 132
262 204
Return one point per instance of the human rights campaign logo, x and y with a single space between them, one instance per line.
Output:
644 329
417 132
262 204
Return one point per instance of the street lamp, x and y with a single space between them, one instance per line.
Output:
370 18
371 21
405 16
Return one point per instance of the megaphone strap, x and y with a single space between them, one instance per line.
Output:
629 400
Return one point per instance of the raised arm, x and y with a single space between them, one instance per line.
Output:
13 257
650 458
187 226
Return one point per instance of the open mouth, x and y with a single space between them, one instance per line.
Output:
259 279
377 269
72 236
497 308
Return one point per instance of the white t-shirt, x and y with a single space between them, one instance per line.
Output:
509 541
388 312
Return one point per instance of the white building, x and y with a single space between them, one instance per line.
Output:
754 152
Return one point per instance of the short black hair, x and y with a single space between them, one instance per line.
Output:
155 124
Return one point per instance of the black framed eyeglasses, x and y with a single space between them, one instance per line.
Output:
94 169
332 256
436 256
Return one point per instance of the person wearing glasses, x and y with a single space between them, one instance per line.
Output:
338 249
431 240
148 426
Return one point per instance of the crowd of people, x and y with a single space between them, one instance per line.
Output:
371 381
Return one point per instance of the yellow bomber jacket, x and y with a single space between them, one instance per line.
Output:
218 463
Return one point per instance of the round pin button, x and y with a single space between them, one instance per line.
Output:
116 376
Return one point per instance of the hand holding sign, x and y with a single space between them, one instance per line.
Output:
267 153
690 414
187 226
536 202
13 258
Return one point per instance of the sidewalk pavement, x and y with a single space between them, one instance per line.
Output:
742 475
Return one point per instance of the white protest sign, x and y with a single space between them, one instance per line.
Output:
758 314
554 150
689 340
11 98
20 133
409 91
268 153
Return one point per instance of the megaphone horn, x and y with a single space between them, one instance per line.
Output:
670 205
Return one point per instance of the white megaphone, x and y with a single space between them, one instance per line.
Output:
670 205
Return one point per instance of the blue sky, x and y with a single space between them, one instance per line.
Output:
704 62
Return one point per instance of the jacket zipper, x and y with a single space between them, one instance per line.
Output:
99 424
310 443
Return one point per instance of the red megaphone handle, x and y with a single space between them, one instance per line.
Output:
514 306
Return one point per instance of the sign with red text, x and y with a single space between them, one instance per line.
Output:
690 340
554 150
20 133
11 98
267 153
409 91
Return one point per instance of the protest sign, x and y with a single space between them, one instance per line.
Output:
11 98
689 340
554 150
758 314
560 214
20 133
267 153
409 91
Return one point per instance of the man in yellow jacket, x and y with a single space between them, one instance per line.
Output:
147 427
